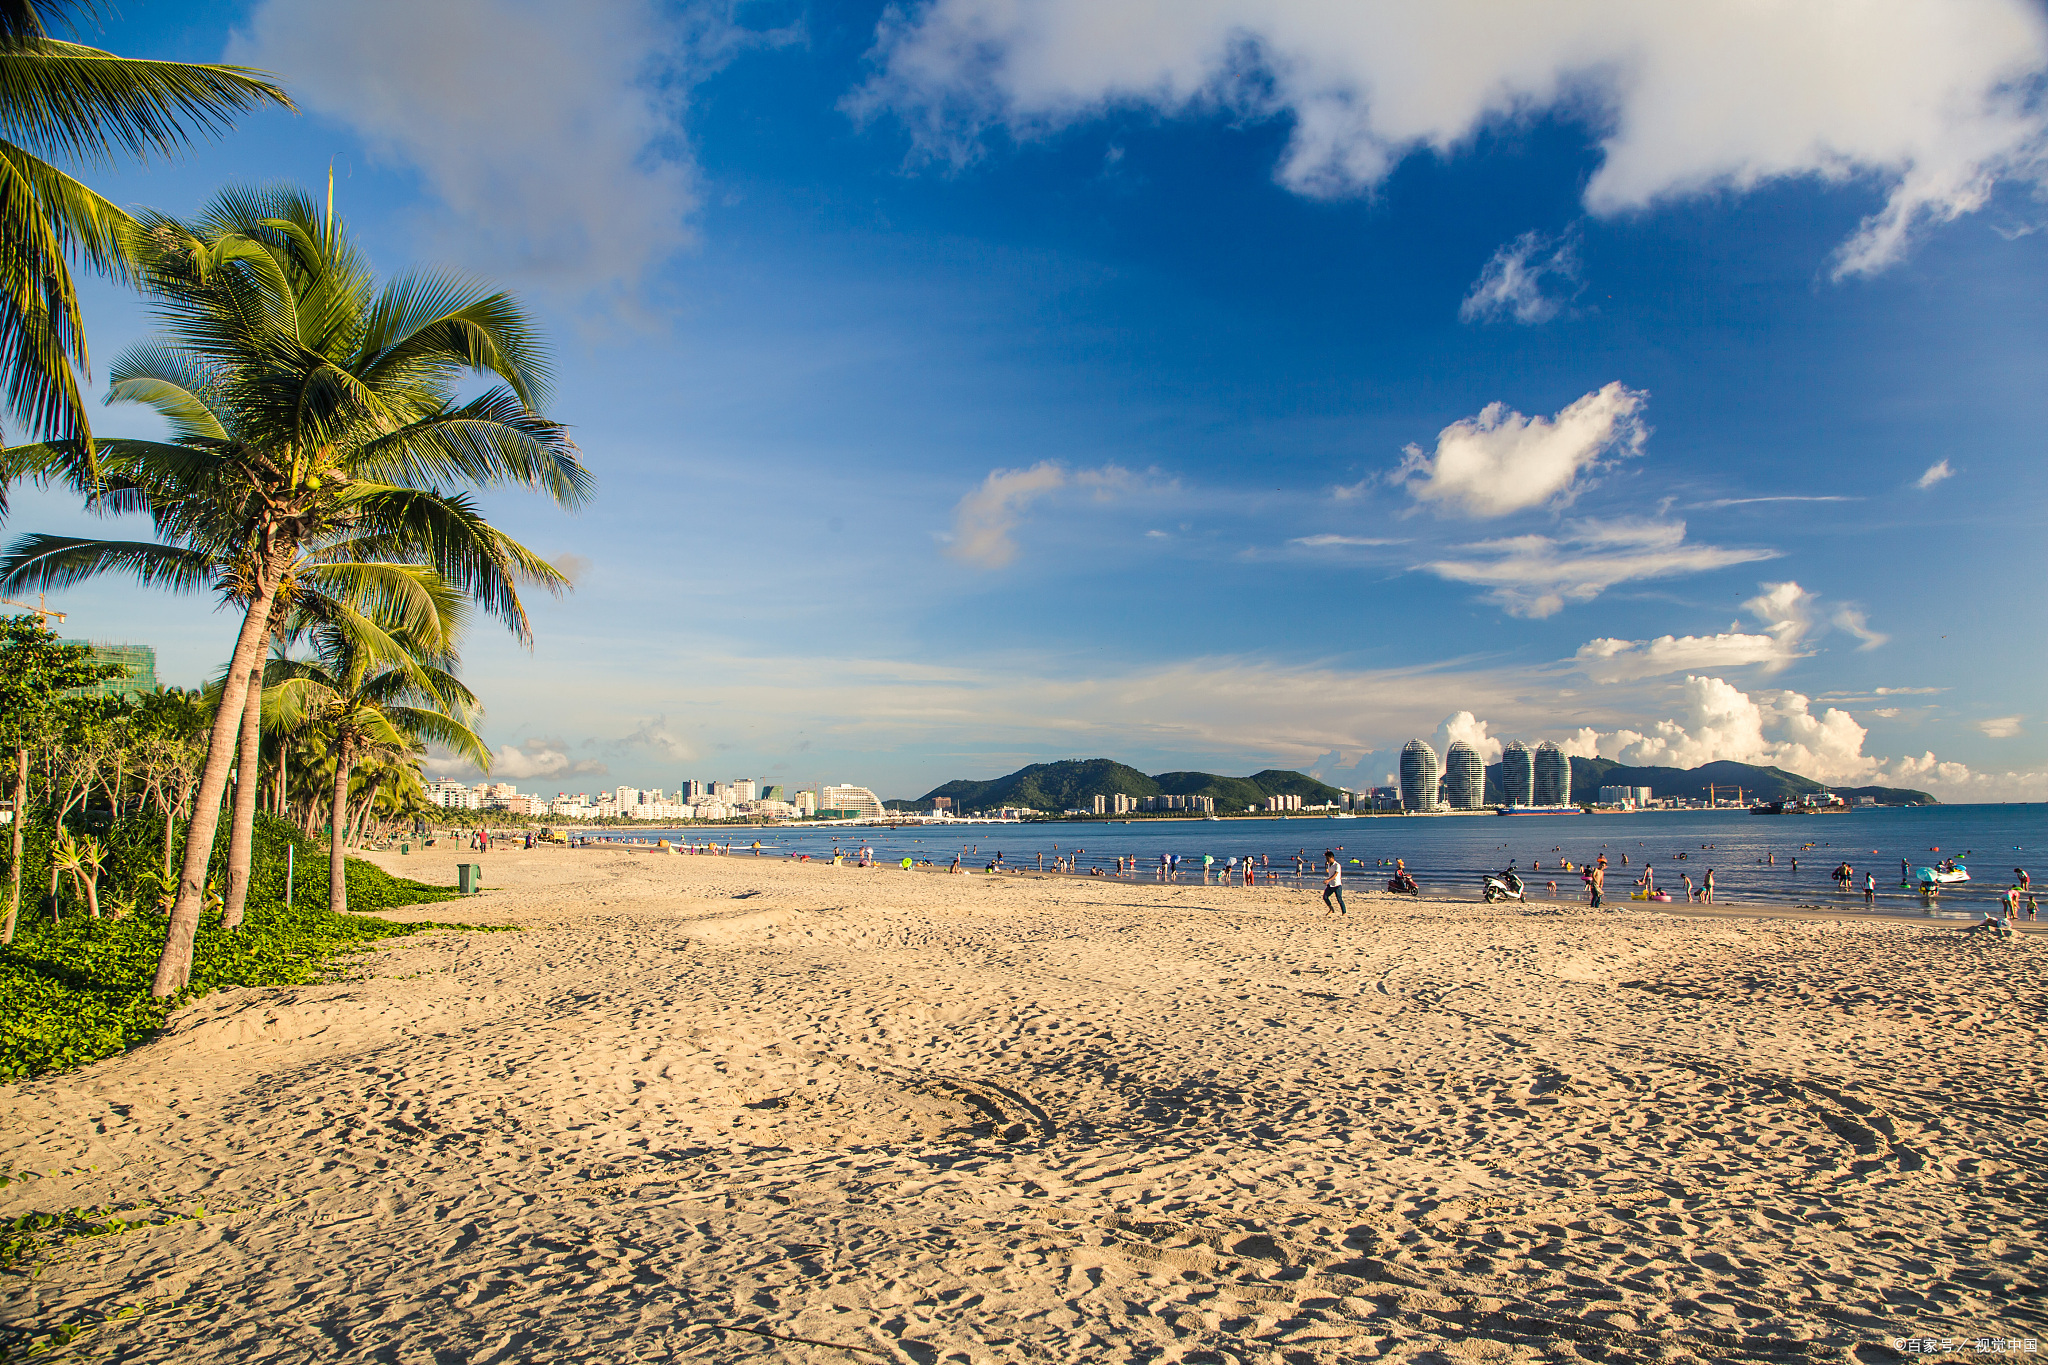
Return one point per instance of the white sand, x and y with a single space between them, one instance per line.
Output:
1017 1120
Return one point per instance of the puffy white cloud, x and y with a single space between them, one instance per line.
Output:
550 137
1463 725
1501 461
1518 281
2001 727
1789 616
515 762
1719 721
1936 472
1933 100
1536 575
1609 660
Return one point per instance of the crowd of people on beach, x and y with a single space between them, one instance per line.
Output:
1251 869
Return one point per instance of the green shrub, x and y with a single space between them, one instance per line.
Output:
76 989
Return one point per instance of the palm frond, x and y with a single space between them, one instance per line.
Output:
49 563
64 99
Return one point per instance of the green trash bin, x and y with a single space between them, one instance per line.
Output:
469 878
405 848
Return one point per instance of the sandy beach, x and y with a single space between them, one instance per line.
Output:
730 1109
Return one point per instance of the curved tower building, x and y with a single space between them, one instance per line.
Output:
1553 776
1418 777
1518 775
1467 777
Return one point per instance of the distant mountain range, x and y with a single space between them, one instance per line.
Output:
1589 775
1074 783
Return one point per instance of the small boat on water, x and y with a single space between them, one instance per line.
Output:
1941 876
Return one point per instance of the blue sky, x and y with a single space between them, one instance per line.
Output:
975 384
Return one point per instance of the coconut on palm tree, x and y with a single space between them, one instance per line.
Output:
63 101
313 419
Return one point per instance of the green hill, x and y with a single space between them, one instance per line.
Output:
1074 783
1589 775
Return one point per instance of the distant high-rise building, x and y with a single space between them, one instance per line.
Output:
1418 776
1467 774
136 662
692 790
846 797
1101 803
772 792
743 789
1518 774
1553 776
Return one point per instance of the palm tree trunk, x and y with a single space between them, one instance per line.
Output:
337 861
174 967
242 822
14 866
170 804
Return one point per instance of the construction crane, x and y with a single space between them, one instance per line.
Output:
1711 800
40 609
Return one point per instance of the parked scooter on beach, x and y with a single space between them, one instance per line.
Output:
1402 882
1503 886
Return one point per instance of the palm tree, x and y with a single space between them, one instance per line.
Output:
62 100
365 704
313 420
354 597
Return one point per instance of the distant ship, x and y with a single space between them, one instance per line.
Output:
1541 810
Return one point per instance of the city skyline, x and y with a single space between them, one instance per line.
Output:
946 418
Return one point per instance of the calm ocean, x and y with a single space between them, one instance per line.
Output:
1448 854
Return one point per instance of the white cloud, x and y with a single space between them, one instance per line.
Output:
1536 575
1936 472
1609 660
515 762
549 136
1786 610
1933 101
1858 625
656 737
1718 721
1501 461
1513 284
1718 503
1467 727
1887 713
2001 727
1328 539
983 520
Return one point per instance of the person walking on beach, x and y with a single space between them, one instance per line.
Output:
1707 888
1333 881
1597 882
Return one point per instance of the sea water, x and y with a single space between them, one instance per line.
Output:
1752 856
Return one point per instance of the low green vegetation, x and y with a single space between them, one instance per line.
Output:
74 989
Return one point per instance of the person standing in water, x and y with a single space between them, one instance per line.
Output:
1333 881
1707 888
